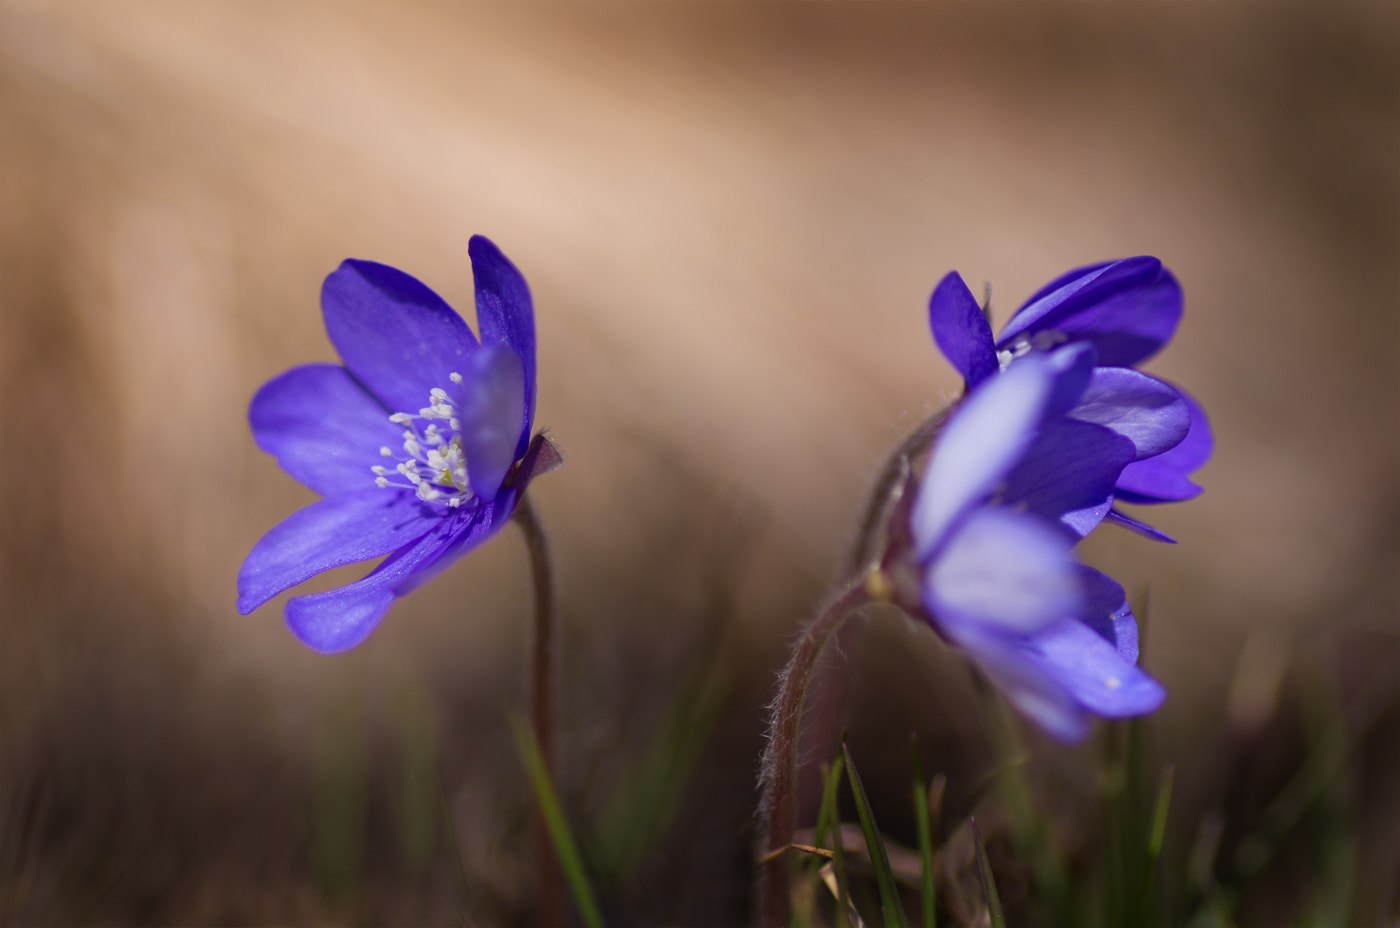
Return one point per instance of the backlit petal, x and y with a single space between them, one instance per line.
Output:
490 407
329 533
1163 479
982 442
1005 569
1129 309
1143 409
506 316
393 333
961 330
323 426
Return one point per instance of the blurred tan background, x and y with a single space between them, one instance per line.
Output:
731 216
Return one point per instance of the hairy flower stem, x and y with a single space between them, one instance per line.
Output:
877 508
543 692
782 761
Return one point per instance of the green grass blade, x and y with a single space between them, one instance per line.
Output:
989 885
1154 840
927 900
564 847
829 817
884 876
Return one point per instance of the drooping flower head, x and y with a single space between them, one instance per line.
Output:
420 443
1012 483
1126 310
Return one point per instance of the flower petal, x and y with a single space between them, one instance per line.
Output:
1005 569
323 426
1129 309
981 443
1106 612
1093 671
1116 517
492 400
1163 479
961 330
1068 474
1141 408
506 316
339 619
330 533
1009 663
393 333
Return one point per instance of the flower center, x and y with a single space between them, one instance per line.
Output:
433 467
1043 340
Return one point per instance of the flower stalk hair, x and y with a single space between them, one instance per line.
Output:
420 446
1054 429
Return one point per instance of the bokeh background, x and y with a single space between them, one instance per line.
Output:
731 216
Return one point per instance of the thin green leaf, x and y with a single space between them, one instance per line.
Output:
989 885
1154 840
922 824
828 817
564 846
889 894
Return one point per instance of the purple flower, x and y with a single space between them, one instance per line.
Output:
1126 310
419 444
1011 485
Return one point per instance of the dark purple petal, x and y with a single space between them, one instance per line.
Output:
1141 408
484 519
1010 664
1093 671
1068 474
1163 479
492 398
1128 309
393 333
961 330
339 619
1064 280
1073 366
330 533
981 443
1116 517
324 428
1106 612
1004 569
506 316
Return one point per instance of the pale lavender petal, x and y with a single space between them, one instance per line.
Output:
339 619
323 426
330 533
1163 479
1004 569
1117 517
1129 309
1006 660
982 442
1143 409
506 315
489 409
393 333
1068 474
961 330
1093 672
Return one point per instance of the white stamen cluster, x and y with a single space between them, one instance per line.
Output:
1040 341
435 469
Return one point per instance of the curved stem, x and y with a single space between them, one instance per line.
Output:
543 690
783 758
863 550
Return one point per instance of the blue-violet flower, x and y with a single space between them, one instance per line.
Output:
1012 483
1127 310
420 444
